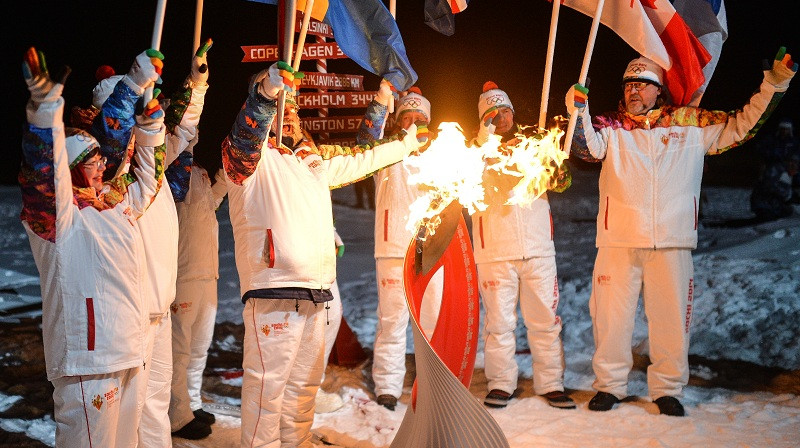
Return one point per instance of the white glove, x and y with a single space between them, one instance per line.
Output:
145 71
410 141
384 94
41 87
269 82
152 117
199 74
485 129
577 98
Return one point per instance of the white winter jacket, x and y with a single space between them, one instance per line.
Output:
159 225
198 240
280 203
393 197
513 232
88 250
653 166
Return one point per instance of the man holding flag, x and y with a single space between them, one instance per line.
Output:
281 213
652 156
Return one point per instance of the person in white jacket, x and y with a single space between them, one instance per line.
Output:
115 97
86 242
282 218
516 262
394 196
652 156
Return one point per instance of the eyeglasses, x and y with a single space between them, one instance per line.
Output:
96 164
638 86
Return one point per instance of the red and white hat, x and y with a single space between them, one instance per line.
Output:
414 102
645 70
492 98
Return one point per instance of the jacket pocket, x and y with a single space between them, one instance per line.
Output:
268 253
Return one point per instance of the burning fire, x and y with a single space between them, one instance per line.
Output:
452 170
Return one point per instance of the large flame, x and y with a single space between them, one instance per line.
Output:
452 170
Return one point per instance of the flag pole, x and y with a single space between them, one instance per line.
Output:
155 42
393 12
301 40
198 25
587 57
548 66
288 37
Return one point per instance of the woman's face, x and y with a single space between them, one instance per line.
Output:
93 168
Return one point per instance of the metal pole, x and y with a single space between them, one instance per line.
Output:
155 42
288 36
587 58
198 25
548 66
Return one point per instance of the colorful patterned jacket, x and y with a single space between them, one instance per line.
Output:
280 203
653 166
88 249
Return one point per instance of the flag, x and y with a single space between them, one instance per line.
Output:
657 32
708 21
439 14
367 33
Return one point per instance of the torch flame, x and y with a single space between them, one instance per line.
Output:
452 170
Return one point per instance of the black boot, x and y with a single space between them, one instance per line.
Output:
603 401
194 430
670 406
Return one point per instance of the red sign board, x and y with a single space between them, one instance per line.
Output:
345 123
315 27
337 141
266 53
332 81
334 100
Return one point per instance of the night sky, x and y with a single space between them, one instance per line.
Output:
503 41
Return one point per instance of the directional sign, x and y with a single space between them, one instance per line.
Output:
332 81
266 53
315 27
334 100
345 123
337 141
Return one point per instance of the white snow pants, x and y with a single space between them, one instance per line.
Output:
665 278
283 351
154 429
193 315
98 410
333 320
389 357
534 284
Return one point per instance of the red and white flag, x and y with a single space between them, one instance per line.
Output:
657 32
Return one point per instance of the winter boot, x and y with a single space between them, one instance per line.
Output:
194 430
558 399
603 401
387 401
670 406
205 417
497 398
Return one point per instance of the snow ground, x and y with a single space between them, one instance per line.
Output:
747 316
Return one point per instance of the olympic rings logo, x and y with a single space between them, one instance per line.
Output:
495 99
412 102
638 68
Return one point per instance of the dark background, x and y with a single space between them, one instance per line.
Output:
503 41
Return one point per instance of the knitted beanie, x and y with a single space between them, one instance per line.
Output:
644 70
414 102
491 99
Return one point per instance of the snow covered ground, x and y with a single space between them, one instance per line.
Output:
745 384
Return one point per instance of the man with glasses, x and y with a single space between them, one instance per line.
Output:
652 156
